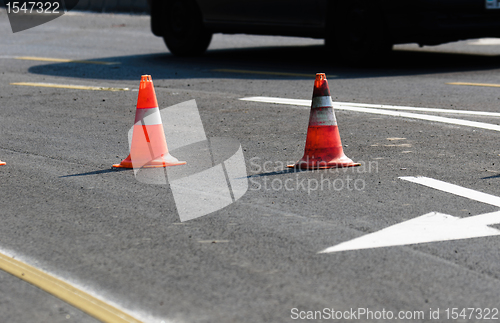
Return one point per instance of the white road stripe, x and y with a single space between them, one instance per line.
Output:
454 189
266 99
433 110
379 110
376 106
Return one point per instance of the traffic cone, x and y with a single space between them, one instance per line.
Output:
323 146
149 146
2 163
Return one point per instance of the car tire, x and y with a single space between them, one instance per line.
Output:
357 33
184 33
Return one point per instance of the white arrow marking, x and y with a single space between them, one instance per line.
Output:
429 227
432 226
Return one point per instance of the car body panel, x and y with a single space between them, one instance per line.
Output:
424 21
223 10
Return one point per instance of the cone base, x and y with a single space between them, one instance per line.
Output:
310 163
163 161
2 163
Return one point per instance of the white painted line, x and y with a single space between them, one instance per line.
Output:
67 292
460 122
266 99
430 227
376 106
454 189
79 293
379 110
432 110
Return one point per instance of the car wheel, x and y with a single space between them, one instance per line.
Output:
357 33
184 33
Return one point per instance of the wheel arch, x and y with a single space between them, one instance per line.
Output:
157 8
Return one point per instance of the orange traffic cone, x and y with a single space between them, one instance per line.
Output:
149 146
2 163
323 146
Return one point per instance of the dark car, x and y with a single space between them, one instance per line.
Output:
358 28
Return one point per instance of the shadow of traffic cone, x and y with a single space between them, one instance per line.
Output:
149 146
323 146
2 163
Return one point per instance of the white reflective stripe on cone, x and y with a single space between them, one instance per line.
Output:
322 101
147 117
323 116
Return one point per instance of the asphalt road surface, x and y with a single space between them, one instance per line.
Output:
66 212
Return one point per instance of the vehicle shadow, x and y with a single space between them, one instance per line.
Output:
283 62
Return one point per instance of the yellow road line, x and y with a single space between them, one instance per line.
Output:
224 70
71 295
474 84
62 60
68 86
